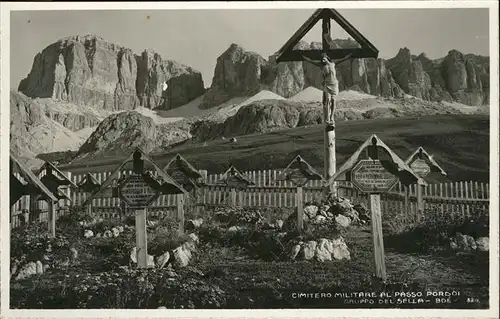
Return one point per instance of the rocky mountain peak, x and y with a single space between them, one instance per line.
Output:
238 72
403 54
423 56
455 54
83 38
88 70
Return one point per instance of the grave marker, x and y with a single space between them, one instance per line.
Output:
373 176
53 179
188 177
235 180
89 184
31 185
287 53
299 172
138 191
421 164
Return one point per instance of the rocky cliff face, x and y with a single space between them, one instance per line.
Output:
121 133
287 79
237 73
410 74
34 129
90 71
454 78
462 78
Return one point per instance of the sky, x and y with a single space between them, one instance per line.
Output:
197 37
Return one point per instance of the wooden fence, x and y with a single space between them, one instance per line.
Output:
457 197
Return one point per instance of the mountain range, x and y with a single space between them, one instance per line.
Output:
91 96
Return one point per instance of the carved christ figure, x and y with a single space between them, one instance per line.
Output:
330 84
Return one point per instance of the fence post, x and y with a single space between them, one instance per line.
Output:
233 196
407 194
52 218
420 201
300 208
180 212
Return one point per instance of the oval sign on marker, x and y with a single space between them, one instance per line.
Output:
420 167
137 193
369 176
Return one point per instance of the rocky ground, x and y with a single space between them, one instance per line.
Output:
240 258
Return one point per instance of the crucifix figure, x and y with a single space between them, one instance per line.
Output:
330 84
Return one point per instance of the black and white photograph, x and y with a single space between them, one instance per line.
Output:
329 156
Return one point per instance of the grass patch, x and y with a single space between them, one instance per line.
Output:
460 143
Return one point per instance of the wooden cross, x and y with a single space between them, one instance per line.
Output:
321 57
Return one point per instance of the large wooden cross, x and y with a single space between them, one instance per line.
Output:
287 53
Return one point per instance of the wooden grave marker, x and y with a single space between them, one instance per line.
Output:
288 53
189 178
422 164
234 179
89 184
53 179
139 190
30 185
373 176
299 172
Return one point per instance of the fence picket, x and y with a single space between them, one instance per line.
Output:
451 197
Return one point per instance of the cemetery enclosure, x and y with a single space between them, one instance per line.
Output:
457 197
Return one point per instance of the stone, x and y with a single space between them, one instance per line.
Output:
342 206
192 224
311 211
483 243
27 271
319 219
88 233
13 267
133 255
181 259
463 243
163 259
234 229
189 246
39 267
74 253
309 249
295 251
363 212
323 213
150 261
194 238
343 221
322 252
340 250
279 224
115 232
325 208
